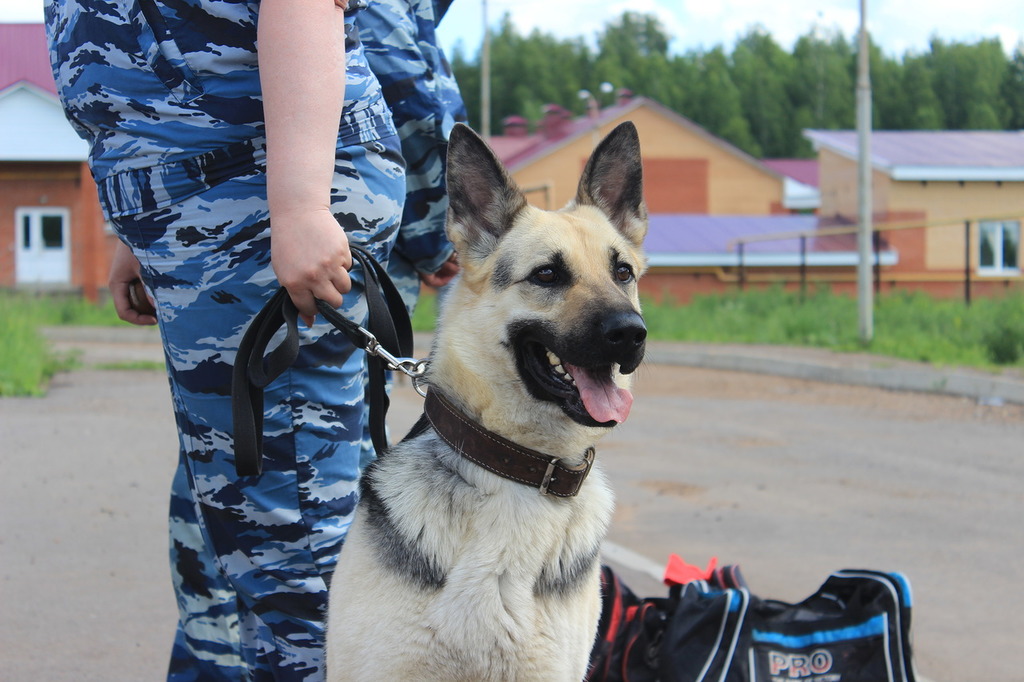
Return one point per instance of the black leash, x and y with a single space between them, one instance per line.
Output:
387 327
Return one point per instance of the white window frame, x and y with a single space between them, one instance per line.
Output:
998 228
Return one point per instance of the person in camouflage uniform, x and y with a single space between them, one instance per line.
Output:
200 157
401 46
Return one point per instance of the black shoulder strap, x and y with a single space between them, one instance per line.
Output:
387 324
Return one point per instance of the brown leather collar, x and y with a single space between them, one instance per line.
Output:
501 456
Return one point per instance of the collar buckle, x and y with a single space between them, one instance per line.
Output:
549 473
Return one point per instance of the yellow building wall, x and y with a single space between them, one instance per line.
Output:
734 186
558 172
942 201
837 179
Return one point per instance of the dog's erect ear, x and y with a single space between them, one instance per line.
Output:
483 200
613 181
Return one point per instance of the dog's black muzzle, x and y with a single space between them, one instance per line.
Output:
599 344
621 337
602 338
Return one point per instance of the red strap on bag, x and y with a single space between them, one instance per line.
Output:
678 572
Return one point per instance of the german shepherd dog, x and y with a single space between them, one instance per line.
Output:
455 569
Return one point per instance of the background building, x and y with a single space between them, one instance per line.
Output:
954 199
52 232
948 205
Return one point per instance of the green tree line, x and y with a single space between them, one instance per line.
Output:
759 96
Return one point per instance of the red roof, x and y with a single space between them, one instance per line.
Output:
801 170
518 150
557 126
511 146
24 57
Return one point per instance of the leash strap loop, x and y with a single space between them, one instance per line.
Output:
388 326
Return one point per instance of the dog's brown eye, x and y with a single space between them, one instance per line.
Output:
624 273
545 275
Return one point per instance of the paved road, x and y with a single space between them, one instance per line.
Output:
790 479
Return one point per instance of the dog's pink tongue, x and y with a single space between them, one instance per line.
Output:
605 401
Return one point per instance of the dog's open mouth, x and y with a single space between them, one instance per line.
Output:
588 395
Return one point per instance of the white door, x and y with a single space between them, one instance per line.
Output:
43 252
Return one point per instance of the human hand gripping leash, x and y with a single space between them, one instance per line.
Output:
387 339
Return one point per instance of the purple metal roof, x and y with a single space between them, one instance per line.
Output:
714 234
24 57
950 148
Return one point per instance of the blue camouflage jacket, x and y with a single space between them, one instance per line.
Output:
402 49
168 95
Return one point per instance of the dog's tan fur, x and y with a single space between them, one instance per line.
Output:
450 572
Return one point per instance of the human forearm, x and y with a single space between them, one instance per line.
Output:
302 73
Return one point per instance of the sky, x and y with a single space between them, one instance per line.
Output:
897 26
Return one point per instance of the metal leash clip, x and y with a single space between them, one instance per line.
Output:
410 367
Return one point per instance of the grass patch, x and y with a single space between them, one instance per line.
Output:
424 316
988 334
770 316
61 309
26 360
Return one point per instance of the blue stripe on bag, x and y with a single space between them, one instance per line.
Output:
876 626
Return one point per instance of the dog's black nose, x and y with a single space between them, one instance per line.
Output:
624 332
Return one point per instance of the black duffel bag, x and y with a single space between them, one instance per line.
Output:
854 628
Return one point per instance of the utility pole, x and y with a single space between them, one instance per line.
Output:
485 79
865 296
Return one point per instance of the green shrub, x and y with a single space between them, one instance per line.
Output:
1002 329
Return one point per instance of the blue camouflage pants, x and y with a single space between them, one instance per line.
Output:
251 557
